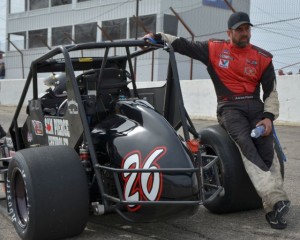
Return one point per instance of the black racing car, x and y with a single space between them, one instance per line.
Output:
94 145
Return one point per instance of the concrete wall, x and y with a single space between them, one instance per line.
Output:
11 91
199 97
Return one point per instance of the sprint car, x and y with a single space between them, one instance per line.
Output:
94 143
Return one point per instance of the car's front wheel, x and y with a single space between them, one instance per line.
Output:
47 194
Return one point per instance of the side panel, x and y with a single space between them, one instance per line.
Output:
155 96
45 129
140 138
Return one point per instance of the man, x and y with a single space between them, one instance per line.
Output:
237 69
2 132
2 70
280 72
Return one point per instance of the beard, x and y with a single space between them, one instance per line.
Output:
242 42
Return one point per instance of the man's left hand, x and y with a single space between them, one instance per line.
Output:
267 123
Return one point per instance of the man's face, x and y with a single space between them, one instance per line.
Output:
240 36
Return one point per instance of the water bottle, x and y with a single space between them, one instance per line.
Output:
258 131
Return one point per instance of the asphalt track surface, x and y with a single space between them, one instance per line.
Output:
203 225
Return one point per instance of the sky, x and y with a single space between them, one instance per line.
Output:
277 30
280 33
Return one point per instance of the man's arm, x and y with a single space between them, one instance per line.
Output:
270 95
270 98
195 50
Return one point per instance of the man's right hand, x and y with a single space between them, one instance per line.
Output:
153 38
148 35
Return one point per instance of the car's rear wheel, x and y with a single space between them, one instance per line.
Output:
239 193
47 193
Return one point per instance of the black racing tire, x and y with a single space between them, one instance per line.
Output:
239 193
47 193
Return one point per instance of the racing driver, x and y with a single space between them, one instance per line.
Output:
238 69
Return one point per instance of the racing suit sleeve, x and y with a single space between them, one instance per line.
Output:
270 95
196 50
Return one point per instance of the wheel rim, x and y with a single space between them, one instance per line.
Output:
20 199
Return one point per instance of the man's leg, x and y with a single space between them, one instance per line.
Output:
269 186
265 175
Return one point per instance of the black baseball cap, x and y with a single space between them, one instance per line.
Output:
237 19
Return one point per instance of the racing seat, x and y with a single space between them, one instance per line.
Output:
112 83
107 89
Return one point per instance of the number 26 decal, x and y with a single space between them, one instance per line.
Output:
146 186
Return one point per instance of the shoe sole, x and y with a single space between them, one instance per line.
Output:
276 224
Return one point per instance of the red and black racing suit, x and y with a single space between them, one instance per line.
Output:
237 74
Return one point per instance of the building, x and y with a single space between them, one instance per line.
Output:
35 26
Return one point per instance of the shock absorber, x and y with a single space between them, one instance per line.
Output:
84 155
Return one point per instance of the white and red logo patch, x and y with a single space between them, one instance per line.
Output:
38 127
224 63
250 71
142 186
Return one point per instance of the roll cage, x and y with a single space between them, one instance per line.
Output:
173 108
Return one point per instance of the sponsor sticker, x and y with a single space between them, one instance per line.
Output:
38 127
250 71
252 62
72 107
29 137
57 130
86 59
224 63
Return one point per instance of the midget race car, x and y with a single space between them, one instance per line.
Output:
94 143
